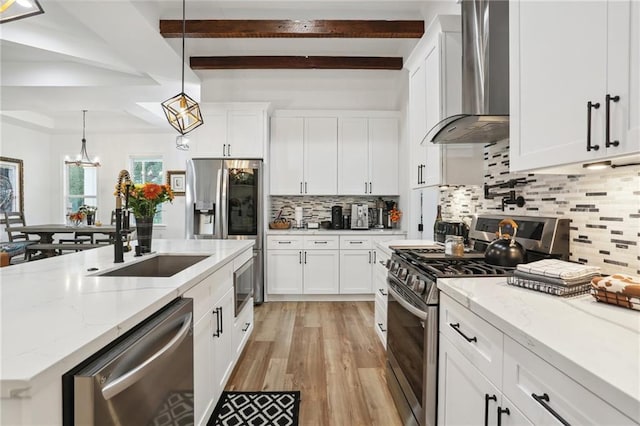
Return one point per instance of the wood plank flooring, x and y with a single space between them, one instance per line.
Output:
327 350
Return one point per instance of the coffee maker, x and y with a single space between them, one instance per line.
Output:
336 217
359 216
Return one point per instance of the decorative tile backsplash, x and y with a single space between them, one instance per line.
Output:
604 208
318 208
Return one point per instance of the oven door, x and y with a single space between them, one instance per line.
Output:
243 285
412 355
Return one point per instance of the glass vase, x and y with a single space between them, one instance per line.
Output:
144 229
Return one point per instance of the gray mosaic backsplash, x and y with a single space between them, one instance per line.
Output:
604 208
318 208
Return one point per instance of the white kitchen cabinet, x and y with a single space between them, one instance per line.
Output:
367 156
422 213
223 353
313 269
435 92
555 73
203 378
478 361
355 271
242 327
284 271
380 288
304 155
230 132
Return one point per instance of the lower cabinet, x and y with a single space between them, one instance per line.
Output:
218 337
355 275
503 383
380 288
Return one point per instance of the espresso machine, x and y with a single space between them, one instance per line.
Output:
359 216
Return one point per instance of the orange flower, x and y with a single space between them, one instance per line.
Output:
395 214
152 191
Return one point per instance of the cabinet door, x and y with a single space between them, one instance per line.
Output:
353 152
208 139
284 271
203 377
511 415
320 156
383 156
554 73
286 147
463 392
223 353
355 271
245 134
321 272
433 112
243 327
417 124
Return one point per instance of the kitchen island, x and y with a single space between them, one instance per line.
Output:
57 312
578 356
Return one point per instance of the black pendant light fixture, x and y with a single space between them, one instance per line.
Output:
83 159
182 112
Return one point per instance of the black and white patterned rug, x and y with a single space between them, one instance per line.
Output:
256 409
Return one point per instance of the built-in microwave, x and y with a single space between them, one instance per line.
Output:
243 285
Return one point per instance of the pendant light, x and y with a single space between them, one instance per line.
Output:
83 159
182 112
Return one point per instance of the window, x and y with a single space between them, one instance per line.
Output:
82 187
148 169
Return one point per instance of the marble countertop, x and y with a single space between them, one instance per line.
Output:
55 313
372 232
597 344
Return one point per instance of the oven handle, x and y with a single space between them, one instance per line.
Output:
406 305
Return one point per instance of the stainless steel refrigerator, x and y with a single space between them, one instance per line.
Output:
224 199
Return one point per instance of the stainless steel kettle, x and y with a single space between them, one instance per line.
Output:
505 251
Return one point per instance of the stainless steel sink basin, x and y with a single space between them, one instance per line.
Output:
158 266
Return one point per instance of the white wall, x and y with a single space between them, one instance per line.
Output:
34 149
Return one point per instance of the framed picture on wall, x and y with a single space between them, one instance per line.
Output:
176 179
11 185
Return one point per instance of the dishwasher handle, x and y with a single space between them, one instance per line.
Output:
132 376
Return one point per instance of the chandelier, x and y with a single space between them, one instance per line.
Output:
83 159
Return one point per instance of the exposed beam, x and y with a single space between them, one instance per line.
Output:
295 62
228 28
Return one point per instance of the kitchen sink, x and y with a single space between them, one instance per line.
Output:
164 265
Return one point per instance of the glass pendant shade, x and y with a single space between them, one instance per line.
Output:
83 159
183 113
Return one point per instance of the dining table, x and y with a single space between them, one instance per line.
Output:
47 245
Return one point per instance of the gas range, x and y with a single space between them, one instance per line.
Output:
414 271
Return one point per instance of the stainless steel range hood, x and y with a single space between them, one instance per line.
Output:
485 77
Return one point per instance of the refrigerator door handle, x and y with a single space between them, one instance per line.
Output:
225 201
217 219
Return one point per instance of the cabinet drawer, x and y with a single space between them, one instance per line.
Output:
478 340
356 242
526 375
243 327
381 321
321 242
275 242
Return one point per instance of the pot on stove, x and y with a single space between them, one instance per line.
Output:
505 251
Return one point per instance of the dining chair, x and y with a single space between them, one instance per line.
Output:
18 241
110 239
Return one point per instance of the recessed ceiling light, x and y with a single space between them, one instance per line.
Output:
11 10
599 165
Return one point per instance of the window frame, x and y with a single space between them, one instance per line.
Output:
67 204
159 217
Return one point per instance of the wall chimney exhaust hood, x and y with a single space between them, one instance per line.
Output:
485 77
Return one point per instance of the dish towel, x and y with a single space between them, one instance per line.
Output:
558 269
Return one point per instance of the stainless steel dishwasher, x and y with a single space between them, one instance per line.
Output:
144 378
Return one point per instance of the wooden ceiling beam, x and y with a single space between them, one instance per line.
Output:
231 28
295 62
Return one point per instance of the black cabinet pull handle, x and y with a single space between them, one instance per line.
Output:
456 327
369 257
305 257
380 327
305 187
246 326
221 328
381 290
500 412
419 169
542 400
591 105
365 187
488 398
370 188
375 257
228 150
301 187
300 257
608 142
217 314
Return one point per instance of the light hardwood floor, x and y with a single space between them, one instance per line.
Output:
327 350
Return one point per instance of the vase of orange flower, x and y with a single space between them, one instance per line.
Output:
394 216
144 200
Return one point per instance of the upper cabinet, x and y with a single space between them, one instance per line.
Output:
235 131
368 156
575 86
435 92
303 155
334 153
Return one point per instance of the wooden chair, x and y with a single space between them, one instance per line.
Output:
110 239
18 241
